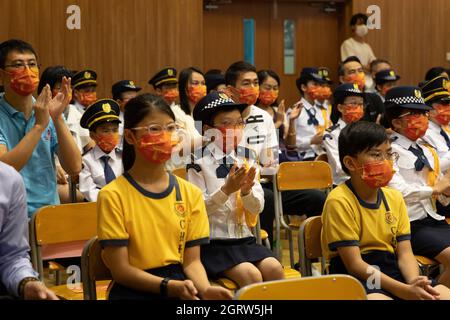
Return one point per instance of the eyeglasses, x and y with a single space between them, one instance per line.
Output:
354 105
156 129
230 125
379 156
20 66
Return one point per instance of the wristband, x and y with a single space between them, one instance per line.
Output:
163 287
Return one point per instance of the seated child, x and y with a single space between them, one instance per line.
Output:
366 230
227 176
103 163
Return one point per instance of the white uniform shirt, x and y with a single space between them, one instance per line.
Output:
413 184
79 107
260 136
330 143
306 131
220 207
92 176
121 127
436 140
81 135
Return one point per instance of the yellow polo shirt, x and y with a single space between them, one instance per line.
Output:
155 227
349 221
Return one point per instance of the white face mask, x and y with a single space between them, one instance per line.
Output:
362 30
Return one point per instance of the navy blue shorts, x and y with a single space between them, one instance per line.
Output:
429 237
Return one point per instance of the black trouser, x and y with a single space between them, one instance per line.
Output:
443 211
296 202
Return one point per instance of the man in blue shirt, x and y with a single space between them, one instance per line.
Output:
17 277
32 130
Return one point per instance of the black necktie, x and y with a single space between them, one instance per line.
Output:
447 139
421 161
312 117
109 173
225 167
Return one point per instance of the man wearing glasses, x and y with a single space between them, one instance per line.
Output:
32 131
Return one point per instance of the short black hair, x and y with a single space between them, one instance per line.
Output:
341 70
358 137
392 112
13 45
434 72
376 62
53 76
358 17
234 71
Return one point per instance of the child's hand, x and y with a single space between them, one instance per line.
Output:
217 293
234 180
185 290
248 182
420 289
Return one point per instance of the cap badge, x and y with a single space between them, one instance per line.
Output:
223 96
445 83
355 86
170 72
87 75
131 83
392 73
106 107
418 94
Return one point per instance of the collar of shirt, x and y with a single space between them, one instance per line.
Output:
217 154
434 126
306 104
98 153
79 107
252 112
341 123
11 110
403 141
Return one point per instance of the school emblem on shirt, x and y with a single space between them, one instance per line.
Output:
390 218
106 107
418 94
180 209
87 75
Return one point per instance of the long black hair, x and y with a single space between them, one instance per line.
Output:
135 110
183 80
53 76
263 75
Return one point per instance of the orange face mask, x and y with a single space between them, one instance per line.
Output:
249 96
157 148
377 174
442 114
170 95
267 98
230 138
417 126
107 142
195 93
358 78
87 98
314 92
324 93
24 82
352 113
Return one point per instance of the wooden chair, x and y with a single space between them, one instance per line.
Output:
309 245
332 287
61 232
180 172
96 276
427 266
297 176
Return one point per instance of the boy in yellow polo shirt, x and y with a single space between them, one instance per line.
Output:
366 231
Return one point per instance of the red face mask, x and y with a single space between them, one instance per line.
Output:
195 93
352 113
107 142
157 148
230 138
24 82
170 95
442 114
358 78
267 98
417 126
314 92
377 174
248 95
87 98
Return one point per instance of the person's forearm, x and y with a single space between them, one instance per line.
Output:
291 137
68 153
196 273
408 267
19 156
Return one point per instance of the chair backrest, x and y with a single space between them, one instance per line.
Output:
310 243
304 175
332 287
61 224
180 172
93 268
